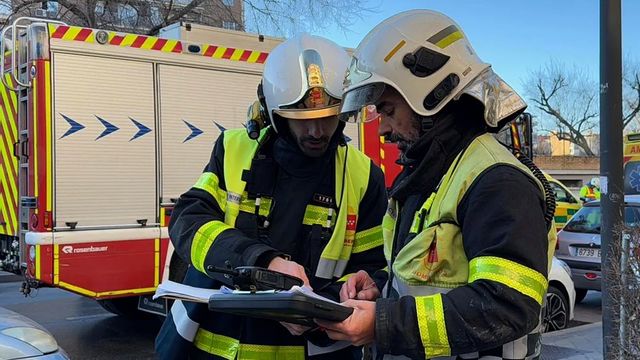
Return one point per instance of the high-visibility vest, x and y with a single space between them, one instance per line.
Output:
238 154
434 261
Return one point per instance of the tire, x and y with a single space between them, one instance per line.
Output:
580 295
555 314
125 307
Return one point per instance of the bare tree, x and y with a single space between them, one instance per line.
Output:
567 102
273 17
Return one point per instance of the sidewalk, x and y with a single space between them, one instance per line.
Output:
581 342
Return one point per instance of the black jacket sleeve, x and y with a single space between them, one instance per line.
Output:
196 207
501 215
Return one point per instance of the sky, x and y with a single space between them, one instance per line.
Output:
517 36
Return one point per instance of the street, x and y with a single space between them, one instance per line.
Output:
86 331
81 327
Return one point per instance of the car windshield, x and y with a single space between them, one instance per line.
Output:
588 219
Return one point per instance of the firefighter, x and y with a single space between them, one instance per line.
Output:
590 191
298 200
467 233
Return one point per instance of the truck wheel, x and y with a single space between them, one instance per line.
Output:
126 307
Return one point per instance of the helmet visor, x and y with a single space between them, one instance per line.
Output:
316 103
358 105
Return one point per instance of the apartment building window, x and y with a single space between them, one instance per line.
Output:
230 25
228 2
99 8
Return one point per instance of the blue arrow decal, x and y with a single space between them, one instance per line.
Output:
141 129
108 127
75 126
194 132
220 127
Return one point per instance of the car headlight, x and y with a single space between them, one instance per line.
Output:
37 338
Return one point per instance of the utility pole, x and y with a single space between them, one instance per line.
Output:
612 201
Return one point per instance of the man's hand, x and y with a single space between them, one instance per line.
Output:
358 328
295 329
359 286
290 268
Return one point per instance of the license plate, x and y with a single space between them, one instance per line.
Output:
588 252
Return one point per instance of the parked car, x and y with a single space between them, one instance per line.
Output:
579 243
21 337
566 203
560 301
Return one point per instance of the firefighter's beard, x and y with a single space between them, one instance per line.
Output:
406 140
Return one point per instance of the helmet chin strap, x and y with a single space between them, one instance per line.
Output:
426 124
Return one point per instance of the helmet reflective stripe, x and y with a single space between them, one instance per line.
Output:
428 59
303 78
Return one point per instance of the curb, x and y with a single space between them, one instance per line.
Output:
572 330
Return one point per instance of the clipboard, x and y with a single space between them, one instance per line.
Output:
292 307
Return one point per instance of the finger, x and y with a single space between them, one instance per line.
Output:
369 294
344 292
351 303
352 286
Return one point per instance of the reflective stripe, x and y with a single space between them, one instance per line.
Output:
202 241
184 325
317 215
238 154
230 348
420 217
518 277
216 344
368 239
270 352
433 330
209 182
249 205
328 269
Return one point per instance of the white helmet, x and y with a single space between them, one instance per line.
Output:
595 182
303 78
427 58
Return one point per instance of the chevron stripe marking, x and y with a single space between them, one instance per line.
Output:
83 34
159 44
60 31
117 40
262 58
245 55
139 41
227 54
210 50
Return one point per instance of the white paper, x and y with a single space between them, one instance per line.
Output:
308 292
174 290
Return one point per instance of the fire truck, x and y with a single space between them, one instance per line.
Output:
100 133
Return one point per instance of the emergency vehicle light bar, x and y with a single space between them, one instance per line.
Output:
15 27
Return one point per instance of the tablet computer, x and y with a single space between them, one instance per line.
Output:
289 307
